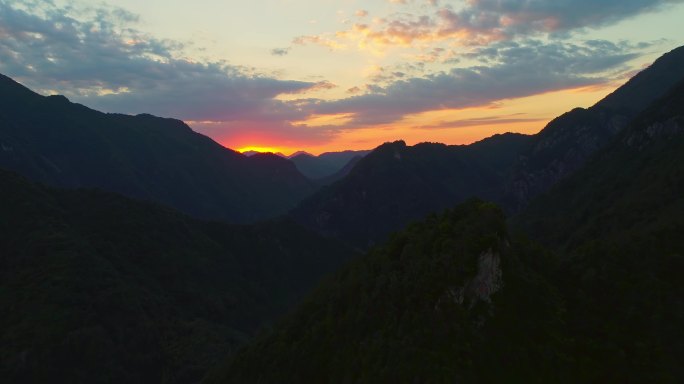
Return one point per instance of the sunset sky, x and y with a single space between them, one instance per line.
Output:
328 75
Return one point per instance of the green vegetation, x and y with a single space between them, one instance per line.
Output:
97 288
618 224
415 310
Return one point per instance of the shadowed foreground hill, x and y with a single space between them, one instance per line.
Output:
54 141
97 288
450 299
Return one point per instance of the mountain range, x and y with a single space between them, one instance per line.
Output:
63 144
324 168
129 252
396 184
326 165
458 297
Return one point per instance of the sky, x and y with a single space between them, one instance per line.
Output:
331 75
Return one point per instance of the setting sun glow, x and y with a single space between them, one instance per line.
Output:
260 150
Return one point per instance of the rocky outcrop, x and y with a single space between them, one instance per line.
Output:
656 131
559 150
488 280
567 142
482 286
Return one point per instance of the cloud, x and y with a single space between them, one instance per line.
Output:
512 70
329 43
481 22
280 51
97 56
497 19
475 122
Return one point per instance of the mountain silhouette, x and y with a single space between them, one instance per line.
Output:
397 184
56 142
569 140
325 165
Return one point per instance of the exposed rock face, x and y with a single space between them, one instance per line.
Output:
483 286
655 131
488 280
567 142
562 148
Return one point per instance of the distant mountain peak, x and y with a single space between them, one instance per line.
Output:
396 143
300 153
326 166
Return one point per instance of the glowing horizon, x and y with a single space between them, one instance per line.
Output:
540 109
291 75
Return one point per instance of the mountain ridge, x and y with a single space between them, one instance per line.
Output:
54 141
325 165
457 297
510 170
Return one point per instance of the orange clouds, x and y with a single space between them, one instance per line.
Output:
525 115
480 22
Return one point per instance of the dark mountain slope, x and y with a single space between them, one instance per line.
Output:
341 174
639 175
646 87
326 164
618 222
396 184
450 299
568 141
97 288
51 140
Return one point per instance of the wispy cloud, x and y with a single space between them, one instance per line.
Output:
280 51
98 57
481 121
480 22
512 70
